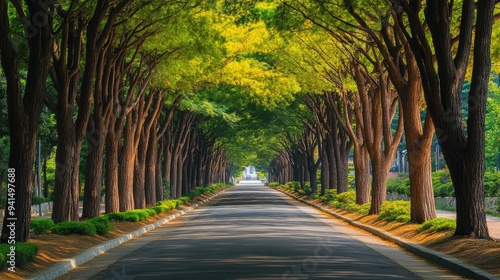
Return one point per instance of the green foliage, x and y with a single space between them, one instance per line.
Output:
102 224
395 210
307 190
399 184
492 184
25 253
441 181
39 226
123 216
438 224
348 197
71 227
39 200
330 195
274 184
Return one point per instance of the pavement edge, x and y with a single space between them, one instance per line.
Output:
438 258
65 266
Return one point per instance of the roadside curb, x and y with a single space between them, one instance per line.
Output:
65 266
438 258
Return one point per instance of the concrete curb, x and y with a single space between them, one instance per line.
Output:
66 265
438 258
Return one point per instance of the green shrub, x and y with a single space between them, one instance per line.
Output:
438 224
102 224
67 228
124 216
25 253
39 200
403 218
159 209
399 184
274 184
307 190
167 204
348 197
492 184
143 214
330 195
392 210
39 226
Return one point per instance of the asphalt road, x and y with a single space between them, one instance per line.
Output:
253 232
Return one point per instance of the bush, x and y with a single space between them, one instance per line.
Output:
25 253
102 224
128 216
348 197
438 224
274 184
40 226
330 195
39 200
492 184
399 184
143 214
394 210
167 205
82 228
307 190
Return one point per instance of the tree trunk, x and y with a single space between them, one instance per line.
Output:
45 183
111 182
421 192
380 170
325 175
362 174
66 189
93 174
24 107
140 173
151 167
126 168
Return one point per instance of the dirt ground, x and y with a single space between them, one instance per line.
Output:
480 253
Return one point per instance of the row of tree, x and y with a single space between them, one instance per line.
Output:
387 71
109 72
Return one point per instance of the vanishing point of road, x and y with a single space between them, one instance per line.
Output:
253 232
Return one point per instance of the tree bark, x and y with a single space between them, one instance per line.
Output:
24 109
93 173
111 181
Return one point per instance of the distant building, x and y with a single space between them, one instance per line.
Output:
250 173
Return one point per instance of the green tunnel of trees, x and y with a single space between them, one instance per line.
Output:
141 100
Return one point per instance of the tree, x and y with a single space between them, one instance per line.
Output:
24 104
463 148
75 92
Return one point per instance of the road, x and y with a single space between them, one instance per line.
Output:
253 232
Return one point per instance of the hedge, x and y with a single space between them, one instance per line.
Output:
39 226
438 224
25 253
71 227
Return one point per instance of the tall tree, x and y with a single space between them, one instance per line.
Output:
463 148
24 104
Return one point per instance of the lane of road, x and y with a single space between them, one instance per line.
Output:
253 232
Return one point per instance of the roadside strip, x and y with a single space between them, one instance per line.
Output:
438 258
69 264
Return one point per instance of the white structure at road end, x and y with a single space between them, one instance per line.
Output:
250 174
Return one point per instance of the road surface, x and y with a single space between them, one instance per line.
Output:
253 232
